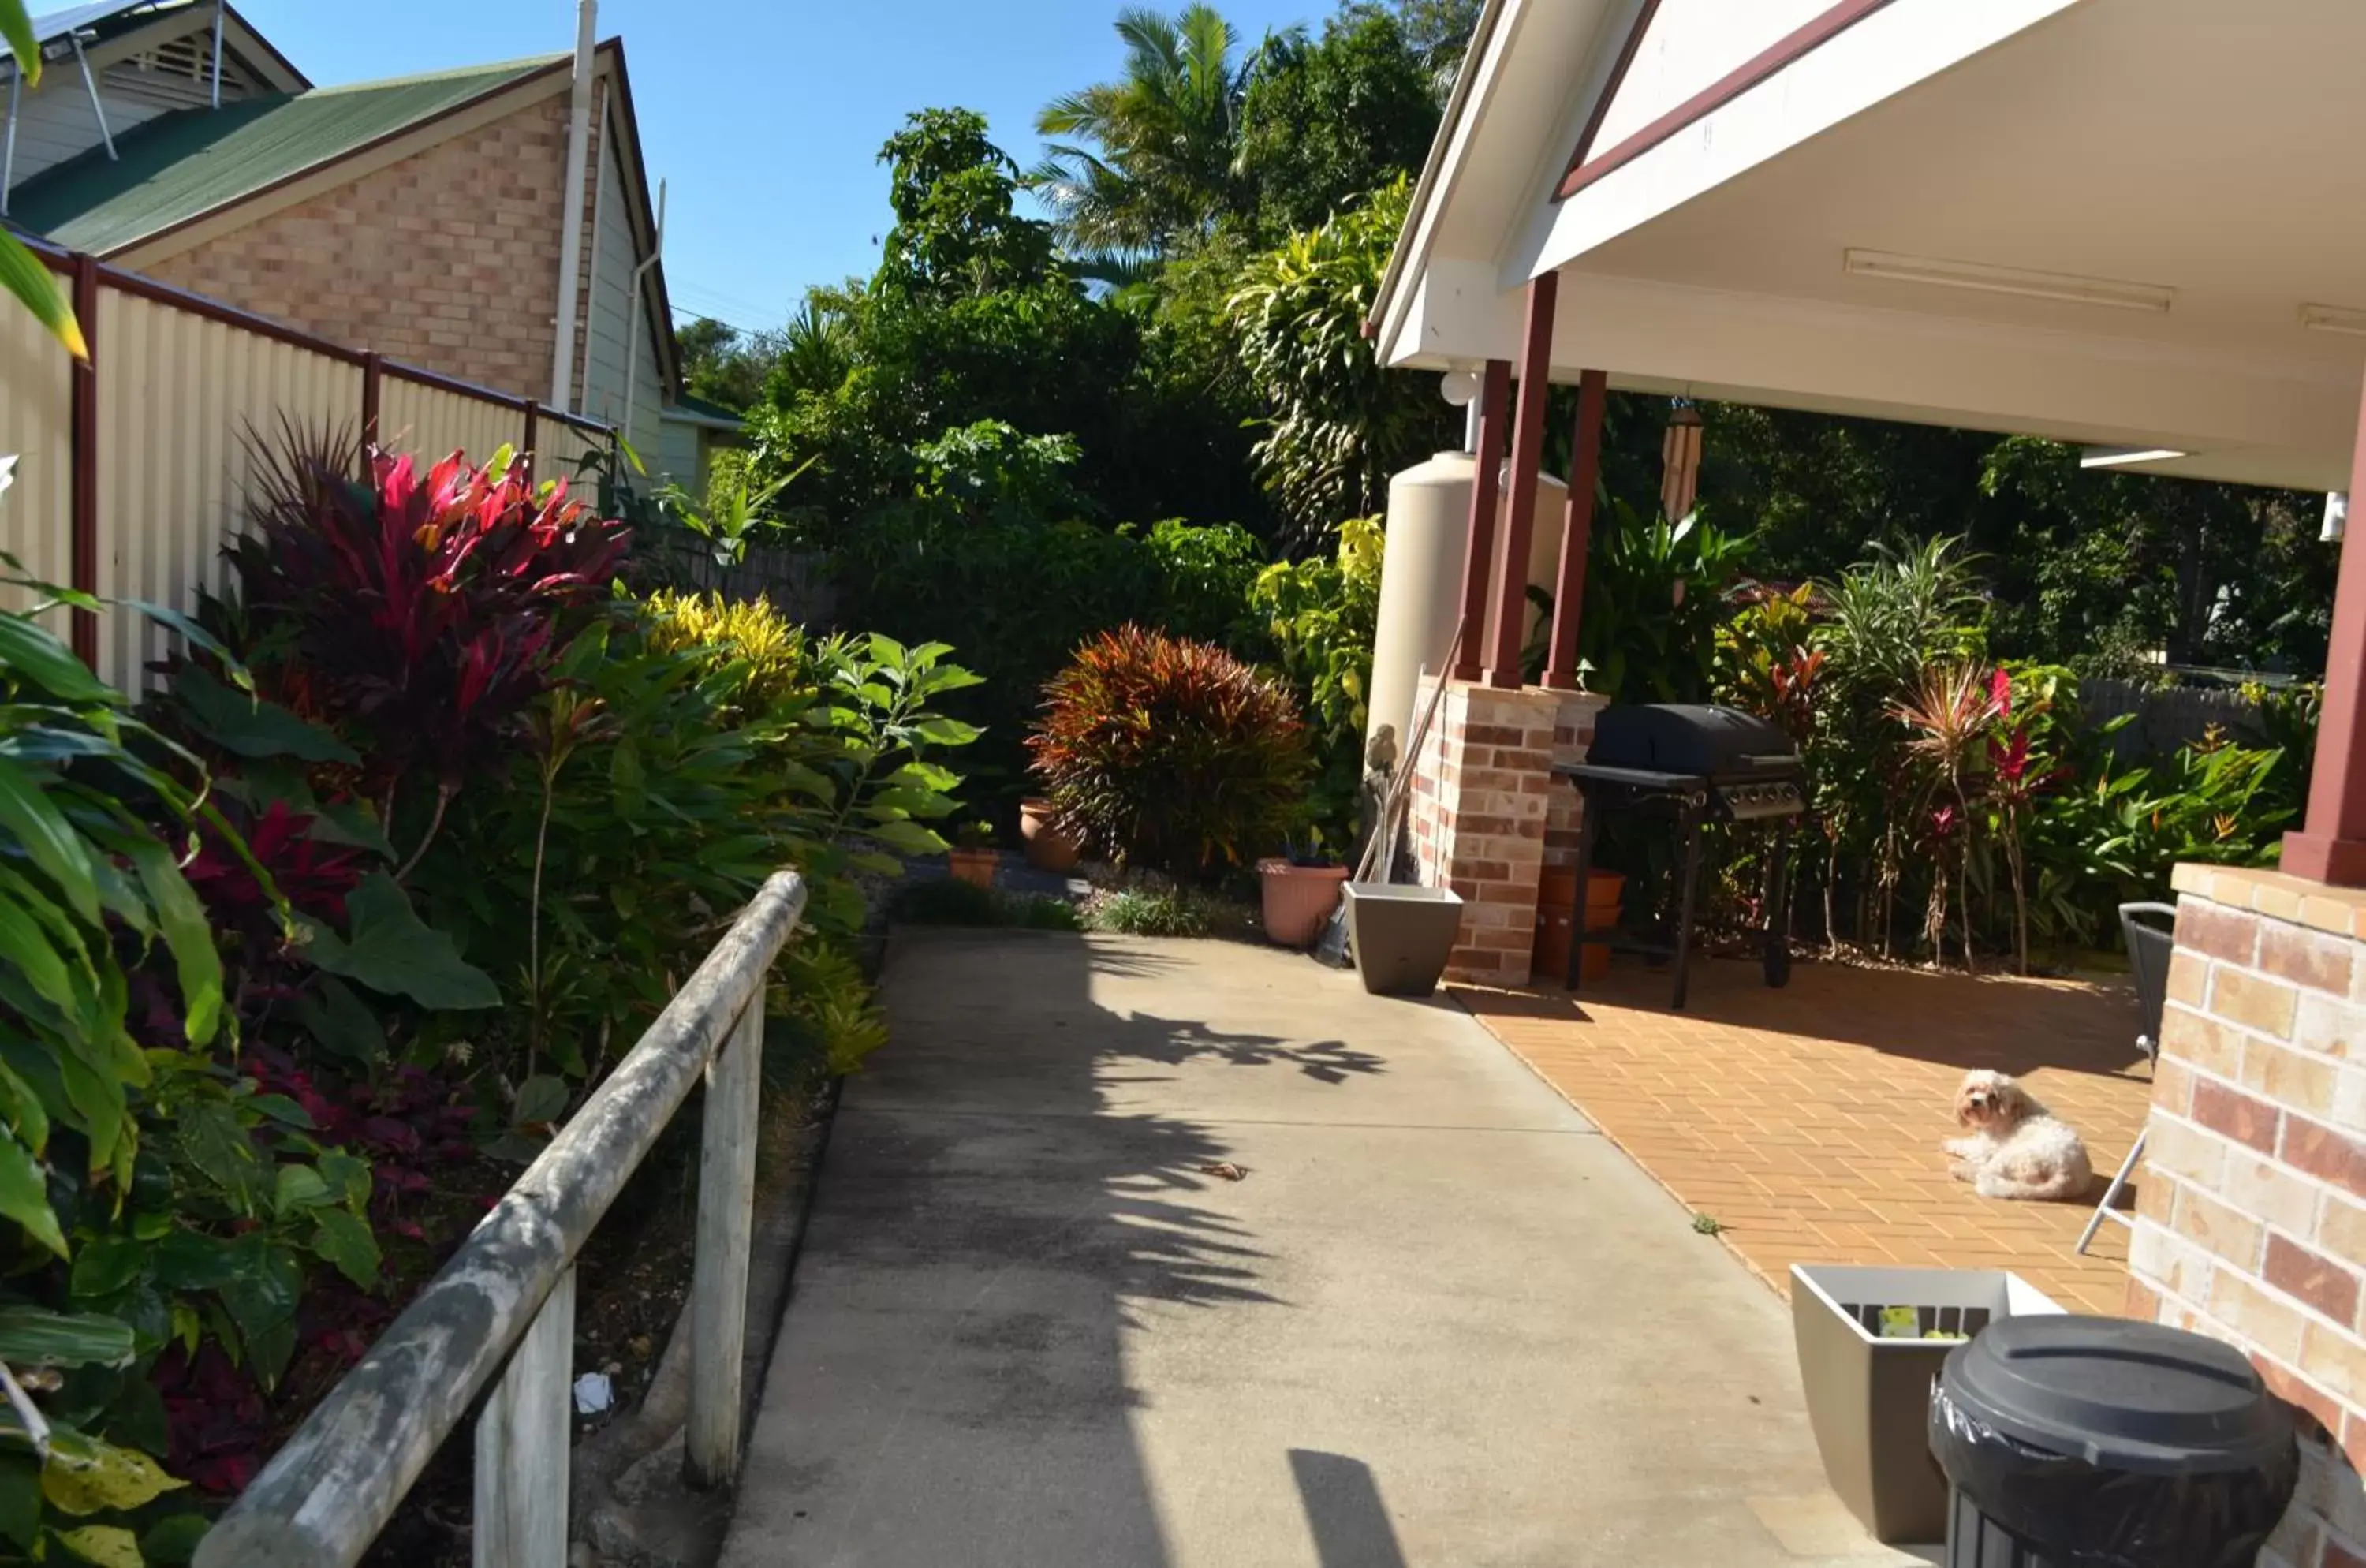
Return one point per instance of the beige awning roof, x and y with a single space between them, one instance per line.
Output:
2134 223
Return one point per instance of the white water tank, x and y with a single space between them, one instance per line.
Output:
1421 582
1421 592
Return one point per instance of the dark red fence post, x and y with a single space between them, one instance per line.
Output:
83 433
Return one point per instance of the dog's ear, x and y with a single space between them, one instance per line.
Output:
2013 1101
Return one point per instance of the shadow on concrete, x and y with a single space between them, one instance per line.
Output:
1343 1511
1004 1200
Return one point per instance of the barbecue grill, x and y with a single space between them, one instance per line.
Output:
1696 764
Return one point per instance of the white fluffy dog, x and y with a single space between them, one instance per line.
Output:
2018 1148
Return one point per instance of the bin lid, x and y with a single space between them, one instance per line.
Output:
2120 1395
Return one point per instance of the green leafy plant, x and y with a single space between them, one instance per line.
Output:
1169 754
1654 597
1173 913
1321 615
1339 423
734 507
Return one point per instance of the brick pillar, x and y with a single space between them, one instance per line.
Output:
2250 1222
1481 795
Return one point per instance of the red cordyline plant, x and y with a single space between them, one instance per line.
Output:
423 611
1170 753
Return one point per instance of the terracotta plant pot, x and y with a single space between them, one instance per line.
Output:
1298 899
1556 911
1048 848
974 866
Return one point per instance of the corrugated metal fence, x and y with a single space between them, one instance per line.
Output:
133 471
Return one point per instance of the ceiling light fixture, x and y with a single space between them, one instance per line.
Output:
2334 318
1986 279
2126 456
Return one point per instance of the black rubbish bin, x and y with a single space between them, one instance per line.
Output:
2095 1442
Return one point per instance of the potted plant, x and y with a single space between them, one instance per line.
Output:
1050 845
1403 936
974 857
1300 892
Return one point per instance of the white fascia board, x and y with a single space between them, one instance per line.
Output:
1900 45
1420 238
1457 316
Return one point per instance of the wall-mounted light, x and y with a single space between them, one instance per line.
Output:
2337 517
2126 457
1986 279
2334 318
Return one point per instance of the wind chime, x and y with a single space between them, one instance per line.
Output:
1680 459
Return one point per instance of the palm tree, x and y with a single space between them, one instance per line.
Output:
23 273
1149 159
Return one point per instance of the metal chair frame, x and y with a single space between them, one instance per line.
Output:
2150 946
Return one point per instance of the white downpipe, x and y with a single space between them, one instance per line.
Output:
592 278
571 222
221 19
638 307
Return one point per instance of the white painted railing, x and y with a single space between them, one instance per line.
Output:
505 1305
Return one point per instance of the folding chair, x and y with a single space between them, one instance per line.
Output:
2149 929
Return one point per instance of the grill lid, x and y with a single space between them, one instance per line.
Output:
1698 738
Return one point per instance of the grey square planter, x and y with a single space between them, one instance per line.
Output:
1869 1398
1402 936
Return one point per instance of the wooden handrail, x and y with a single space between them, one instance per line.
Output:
505 1304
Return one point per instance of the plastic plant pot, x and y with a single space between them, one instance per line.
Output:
1298 899
1048 849
1402 936
1868 1379
974 866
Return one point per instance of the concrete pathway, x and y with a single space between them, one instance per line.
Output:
1437 1320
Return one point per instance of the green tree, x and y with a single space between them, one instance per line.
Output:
724 365
1326 122
1337 423
1145 163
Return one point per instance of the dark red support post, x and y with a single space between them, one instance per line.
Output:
372 401
1577 529
2331 847
83 436
1494 423
1520 517
533 434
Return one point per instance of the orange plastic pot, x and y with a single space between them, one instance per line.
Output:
1298 899
974 866
1556 916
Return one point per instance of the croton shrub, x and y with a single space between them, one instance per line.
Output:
1171 753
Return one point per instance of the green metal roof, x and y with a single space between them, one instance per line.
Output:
690 407
184 164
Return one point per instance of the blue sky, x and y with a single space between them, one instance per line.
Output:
765 115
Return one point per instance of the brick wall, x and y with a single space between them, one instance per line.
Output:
2251 1211
1485 809
449 259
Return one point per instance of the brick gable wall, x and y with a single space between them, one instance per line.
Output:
447 260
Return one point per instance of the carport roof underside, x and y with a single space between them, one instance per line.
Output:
2127 223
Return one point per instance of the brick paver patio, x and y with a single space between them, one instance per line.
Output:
1807 1121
